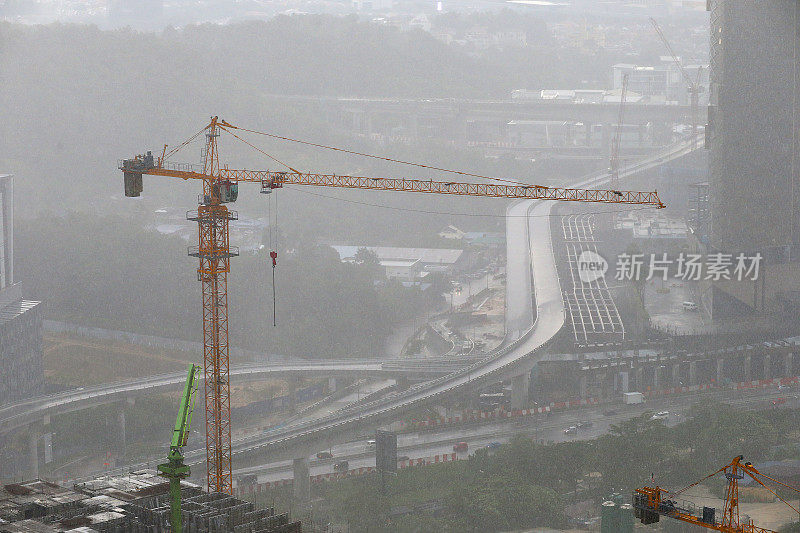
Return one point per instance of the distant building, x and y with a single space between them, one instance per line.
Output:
373 5
21 352
651 226
409 264
452 233
663 81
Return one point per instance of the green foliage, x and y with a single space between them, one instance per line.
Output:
524 485
325 308
497 504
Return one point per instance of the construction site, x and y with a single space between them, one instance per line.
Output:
607 317
136 502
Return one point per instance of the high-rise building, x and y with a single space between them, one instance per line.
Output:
753 119
21 365
754 140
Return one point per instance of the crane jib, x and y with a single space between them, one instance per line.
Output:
275 180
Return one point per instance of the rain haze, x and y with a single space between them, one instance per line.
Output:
399 266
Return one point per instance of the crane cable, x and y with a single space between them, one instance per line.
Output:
225 126
752 472
700 481
772 491
273 255
254 147
184 143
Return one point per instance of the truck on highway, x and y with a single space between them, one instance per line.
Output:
632 398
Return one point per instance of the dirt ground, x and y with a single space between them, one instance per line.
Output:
767 515
79 361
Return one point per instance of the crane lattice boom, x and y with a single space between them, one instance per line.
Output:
275 180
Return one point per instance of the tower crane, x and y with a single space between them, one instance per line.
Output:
693 86
614 169
221 186
174 469
650 503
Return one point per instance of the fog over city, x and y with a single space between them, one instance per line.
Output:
399 266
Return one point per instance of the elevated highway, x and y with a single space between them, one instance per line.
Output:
525 109
35 409
532 323
535 315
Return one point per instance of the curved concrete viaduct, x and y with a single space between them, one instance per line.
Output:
532 280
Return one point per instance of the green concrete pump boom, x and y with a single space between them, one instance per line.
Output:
174 469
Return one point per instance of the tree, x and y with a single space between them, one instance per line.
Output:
369 261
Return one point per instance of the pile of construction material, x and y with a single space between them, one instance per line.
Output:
137 502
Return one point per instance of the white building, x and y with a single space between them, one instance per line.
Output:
408 264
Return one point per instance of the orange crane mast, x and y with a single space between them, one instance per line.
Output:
650 503
221 186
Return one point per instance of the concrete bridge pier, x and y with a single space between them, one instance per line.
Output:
292 382
787 364
33 450
519 390
121 430
720 369
693 373
676 375
624 382
657 380
638 378
748 368
331 385
583 386
767 366
302 481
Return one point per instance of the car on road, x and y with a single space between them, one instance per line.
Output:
585 424
460 447
371 444
609 412
403 458
493 445
324 455
341 466
661 415
571 430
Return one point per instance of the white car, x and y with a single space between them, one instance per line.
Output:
661 415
